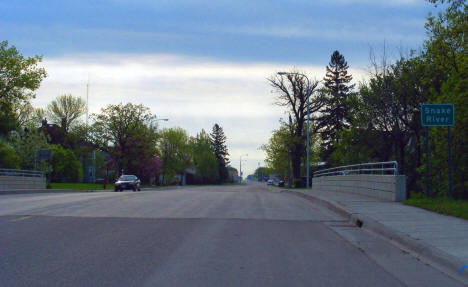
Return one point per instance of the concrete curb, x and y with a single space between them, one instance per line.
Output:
423 251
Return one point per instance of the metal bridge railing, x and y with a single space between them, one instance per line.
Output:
382 168
20 172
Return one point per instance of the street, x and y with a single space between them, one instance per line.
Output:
231 235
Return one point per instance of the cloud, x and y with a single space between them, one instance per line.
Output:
329 30
193 92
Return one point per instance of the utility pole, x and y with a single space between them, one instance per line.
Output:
289 167
240 167
87 102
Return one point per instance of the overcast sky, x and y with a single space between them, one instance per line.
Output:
203 62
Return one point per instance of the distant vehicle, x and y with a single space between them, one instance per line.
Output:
270 182
127 182
281 183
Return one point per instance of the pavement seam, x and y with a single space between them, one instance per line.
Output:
437 258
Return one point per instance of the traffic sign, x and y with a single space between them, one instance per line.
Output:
44 154
437 115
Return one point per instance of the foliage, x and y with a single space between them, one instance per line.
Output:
65 110
386 119
359 145
298 183
233 174
173 145
281 141
27 144
447 75
443 205
218 142
151 169
292 93
262 172
19 77
8 157
65 166
276 149
336 111
204 158
127 135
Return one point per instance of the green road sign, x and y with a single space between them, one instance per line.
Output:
437 115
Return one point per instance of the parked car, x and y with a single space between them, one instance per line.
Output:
127 182
270 182
281 183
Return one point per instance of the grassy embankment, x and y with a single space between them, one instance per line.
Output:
443 205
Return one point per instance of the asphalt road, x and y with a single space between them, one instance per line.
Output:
197 236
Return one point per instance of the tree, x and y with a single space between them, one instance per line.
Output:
447 74
218 142
233 173
390 103
126 133
26 145
65 110
28 116
65 166
277 149
204 158
8 157
19 78
336 109
173 145
151 170
292 93
281 142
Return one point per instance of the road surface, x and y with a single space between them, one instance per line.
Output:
249 235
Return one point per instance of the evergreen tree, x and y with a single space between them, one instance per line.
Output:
337 94
218 141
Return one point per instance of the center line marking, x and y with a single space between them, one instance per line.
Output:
28 216
21 218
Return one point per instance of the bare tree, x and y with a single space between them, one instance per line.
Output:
291 89
65 109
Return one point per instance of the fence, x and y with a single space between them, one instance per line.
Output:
382 168
16 179
380 179
20 172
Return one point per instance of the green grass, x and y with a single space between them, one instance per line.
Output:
80 186
443 205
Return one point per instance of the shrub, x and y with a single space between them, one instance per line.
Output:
66 167
8 157
298 183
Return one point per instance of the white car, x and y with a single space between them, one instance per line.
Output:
270 182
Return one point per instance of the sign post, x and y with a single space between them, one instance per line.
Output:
438 115
45 154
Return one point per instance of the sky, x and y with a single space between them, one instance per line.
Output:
200 62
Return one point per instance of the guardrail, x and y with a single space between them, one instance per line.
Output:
382 168
20 172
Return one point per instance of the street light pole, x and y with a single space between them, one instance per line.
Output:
240 167
308 118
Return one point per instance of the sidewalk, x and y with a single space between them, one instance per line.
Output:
439 239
